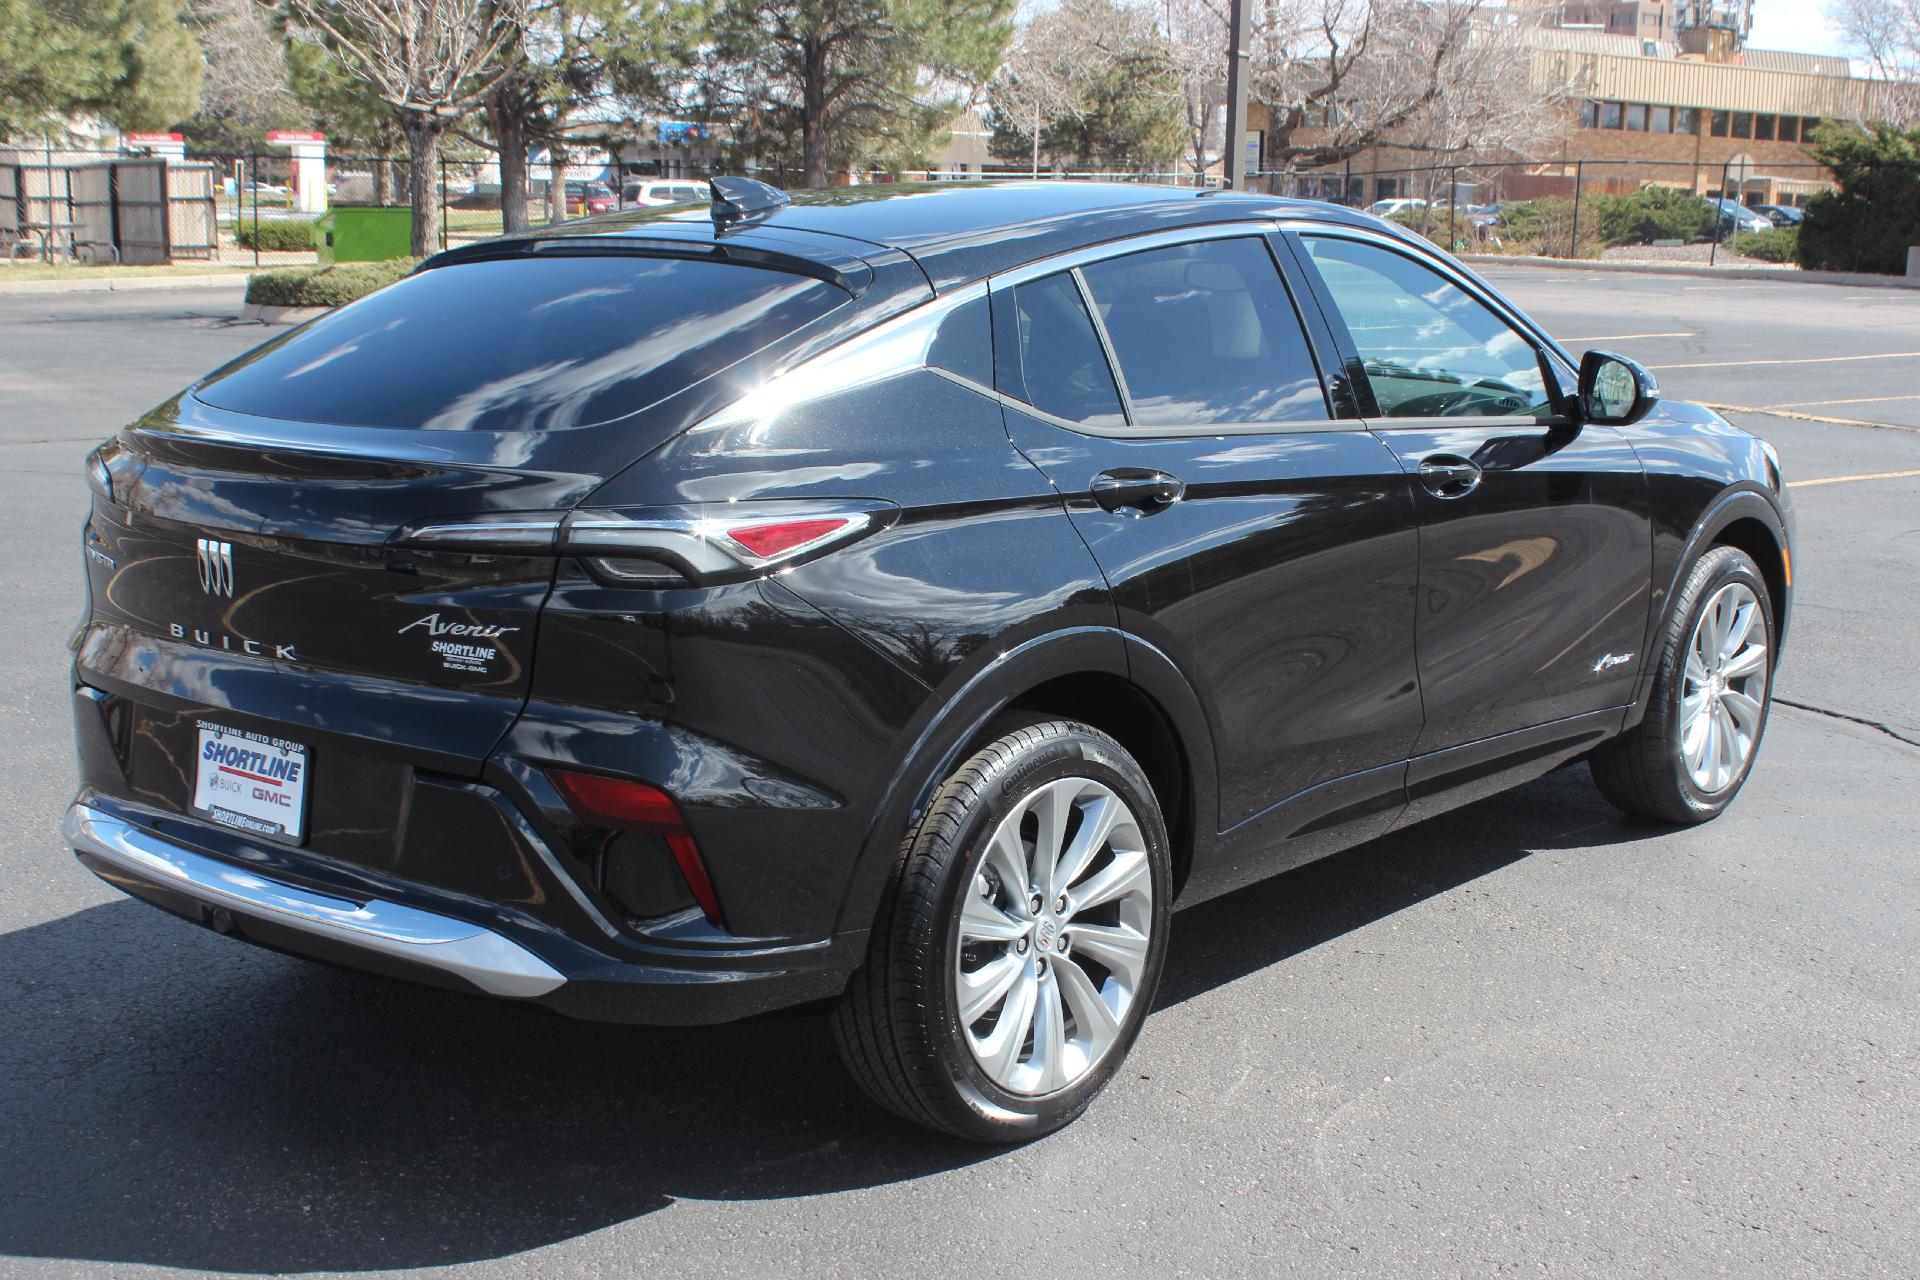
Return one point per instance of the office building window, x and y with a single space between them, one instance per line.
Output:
1807 125
1789 128
1719 127
1763 128
1636 117
1743 124
1589 115
1686 120
1660 119
1610 115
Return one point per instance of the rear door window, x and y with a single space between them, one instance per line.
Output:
523 344
1204 333
1062 362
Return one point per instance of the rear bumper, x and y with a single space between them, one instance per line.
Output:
219 879
147 865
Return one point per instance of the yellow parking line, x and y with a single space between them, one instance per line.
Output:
1795 404
1799 416
1872 475
1730 364
1622 337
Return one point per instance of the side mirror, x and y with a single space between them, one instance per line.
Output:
1615 390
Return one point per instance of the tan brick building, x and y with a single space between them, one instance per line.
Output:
1645 111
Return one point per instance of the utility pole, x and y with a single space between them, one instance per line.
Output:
1234 162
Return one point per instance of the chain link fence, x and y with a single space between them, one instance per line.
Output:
245 209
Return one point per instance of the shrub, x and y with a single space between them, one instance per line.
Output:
1777 245
1649 214
1868 223
282 235
1545 226
325 286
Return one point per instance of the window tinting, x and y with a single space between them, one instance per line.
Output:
1589 114
1660 119
1743 124
1430 348
1789 128
1205 333
1637 117
964 343
1610 115
1719 127
1061 360
1686 120
1763 128
522 345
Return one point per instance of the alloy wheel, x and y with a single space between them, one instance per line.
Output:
1723 694
1053 936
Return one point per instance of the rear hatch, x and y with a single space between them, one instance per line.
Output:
284 551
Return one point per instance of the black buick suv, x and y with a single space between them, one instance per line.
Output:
898 598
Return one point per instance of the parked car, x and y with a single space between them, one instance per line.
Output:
902 608
1387 208
1782 215
647 192
1485 215
1737 217
590 197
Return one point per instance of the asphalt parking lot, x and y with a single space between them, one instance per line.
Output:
1531 1037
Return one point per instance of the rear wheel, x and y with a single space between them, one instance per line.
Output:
1687 759
1022 942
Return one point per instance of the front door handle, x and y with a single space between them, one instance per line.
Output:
1137 490
1447 475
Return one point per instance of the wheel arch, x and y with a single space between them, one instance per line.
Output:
1098 675
1742 518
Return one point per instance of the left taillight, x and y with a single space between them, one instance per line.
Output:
621 804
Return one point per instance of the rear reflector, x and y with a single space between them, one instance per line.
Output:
620 804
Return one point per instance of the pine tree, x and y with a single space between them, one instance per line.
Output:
835 83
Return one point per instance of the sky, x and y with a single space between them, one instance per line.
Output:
1799 26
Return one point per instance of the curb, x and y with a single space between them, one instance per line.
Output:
264 314
1857 279
124 283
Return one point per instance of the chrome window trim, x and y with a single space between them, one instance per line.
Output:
1074 259
1527 329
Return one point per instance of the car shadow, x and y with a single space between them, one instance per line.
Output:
177 1099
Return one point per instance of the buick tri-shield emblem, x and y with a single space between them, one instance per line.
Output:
216 566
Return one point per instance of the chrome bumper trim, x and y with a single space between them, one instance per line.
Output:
480 956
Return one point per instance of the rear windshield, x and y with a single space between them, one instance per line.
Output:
523 344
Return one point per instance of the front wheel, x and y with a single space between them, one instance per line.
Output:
1022 940
1685 762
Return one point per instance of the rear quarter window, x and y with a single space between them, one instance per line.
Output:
524 344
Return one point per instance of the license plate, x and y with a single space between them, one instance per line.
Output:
251 781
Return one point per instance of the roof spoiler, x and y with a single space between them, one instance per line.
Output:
738 200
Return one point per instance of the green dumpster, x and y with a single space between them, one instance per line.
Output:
374 233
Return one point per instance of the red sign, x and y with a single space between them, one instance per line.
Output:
294 135
140 138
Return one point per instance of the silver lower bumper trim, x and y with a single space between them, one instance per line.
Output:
480 956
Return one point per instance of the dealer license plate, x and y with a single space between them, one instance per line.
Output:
251 781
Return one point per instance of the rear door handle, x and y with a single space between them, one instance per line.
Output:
1135 489
1448 475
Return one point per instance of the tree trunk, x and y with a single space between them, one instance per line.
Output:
423 178
556 183
813 115
510 133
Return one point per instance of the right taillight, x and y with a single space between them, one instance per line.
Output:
664 547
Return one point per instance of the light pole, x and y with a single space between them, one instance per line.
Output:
1234 163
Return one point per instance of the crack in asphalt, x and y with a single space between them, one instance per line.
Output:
1883 727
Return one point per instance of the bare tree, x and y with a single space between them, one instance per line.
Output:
1051 67
431 61
1339 77
246 85
1887 32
